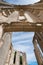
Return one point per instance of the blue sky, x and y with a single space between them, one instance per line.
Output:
22 2
22 41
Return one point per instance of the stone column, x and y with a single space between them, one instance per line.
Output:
24 59
17 58
12 57
1 33
5 48
38 54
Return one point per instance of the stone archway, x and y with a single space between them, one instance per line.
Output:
23 25
8 32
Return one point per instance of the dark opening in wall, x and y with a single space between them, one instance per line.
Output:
20 60
14 57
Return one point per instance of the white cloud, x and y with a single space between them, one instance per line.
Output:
24 41
23 36
23 48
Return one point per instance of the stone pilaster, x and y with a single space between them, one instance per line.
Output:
1 33
5 48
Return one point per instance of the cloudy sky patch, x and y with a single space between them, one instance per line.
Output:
22 2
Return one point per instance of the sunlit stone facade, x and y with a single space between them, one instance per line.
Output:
38 47
20 18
